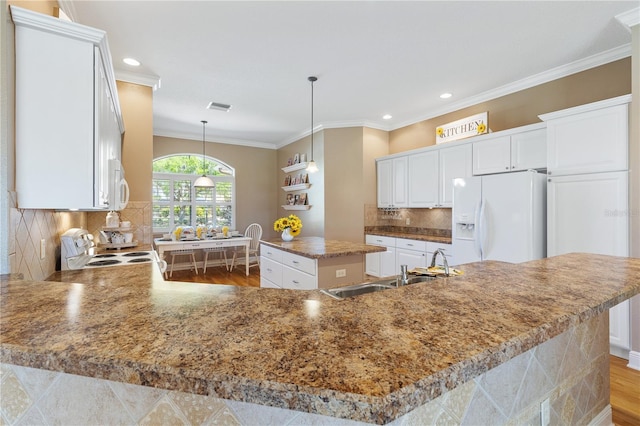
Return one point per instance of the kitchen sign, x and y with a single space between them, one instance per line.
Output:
464 128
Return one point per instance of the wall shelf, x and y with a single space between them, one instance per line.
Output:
294 167
298 187
296 207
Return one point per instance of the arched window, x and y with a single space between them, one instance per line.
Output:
176 202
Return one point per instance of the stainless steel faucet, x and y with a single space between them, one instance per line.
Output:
404 277
444 261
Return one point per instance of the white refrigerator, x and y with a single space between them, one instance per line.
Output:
500 217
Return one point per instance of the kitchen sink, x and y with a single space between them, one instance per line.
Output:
372 287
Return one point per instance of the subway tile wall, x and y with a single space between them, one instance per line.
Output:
571 370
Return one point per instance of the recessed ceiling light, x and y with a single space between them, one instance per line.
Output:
446 95
131 61
387 117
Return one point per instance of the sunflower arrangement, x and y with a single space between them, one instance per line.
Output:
292 221
482 128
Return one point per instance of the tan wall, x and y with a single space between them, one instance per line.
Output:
523 107
375 144
313 220
344 195
47 7
256 185
136 103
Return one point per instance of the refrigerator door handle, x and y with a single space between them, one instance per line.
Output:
483 228
477 240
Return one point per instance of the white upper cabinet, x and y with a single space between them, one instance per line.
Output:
510 151
423 179
68 121
392 182
455 162
590 138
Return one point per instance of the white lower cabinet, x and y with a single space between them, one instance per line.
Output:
619 326
280 269
402 251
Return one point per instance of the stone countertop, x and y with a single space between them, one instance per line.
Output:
319 248
412 236
371 358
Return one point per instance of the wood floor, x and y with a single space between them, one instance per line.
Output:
625 393
625 382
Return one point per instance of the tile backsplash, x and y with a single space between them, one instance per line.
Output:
418 218
27 229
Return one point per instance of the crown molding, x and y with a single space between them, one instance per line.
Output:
526 83
226 141
606 103
150 80
630 18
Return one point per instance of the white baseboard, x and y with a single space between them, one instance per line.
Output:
604 418
619 352
634 360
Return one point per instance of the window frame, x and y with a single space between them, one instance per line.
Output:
193 202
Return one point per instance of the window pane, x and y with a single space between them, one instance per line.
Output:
223 215
160 217
182 190
204 194
182 215
161 189
204 215
223 192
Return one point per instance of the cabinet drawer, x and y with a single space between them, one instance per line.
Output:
265 283
447 248
270 270
304 264
411 244
377 240
297 280
271 253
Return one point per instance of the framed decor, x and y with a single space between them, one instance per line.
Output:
471 126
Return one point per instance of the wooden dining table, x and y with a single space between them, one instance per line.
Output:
163 245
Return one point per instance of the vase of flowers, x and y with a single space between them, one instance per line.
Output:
290 226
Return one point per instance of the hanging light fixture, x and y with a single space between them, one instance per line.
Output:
312 167
203 181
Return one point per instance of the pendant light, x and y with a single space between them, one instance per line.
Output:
312 167
203 181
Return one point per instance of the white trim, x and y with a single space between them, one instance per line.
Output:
634 360
229 141
149 80
619 100
630 18
528 82
603 418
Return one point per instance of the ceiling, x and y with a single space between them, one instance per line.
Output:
371 58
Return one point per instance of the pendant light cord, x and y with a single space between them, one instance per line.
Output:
312 79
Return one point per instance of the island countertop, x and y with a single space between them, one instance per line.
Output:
319 248
370 358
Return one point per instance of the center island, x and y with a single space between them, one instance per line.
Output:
121 345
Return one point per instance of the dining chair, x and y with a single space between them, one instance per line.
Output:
213 251
190 253
253 231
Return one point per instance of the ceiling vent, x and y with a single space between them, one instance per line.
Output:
219 106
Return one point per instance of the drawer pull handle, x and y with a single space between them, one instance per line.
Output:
295 282
410 245
296 262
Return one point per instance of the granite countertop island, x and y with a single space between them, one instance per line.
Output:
371 358
319 248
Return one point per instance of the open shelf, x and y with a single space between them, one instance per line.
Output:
298 187
296 207
295 167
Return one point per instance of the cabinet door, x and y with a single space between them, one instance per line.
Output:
385 176
388 263
423 179
411 258
588 213
492 156
400 190
619 325
372 264
529 150
455 162
590 142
